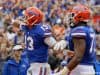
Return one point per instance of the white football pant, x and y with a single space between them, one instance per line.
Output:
39 69
83 70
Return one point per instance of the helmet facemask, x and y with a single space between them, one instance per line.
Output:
70 19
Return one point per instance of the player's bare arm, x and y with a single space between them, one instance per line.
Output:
79 46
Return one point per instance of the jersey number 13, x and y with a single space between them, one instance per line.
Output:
29 42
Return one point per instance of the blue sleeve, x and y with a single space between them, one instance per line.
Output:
78 32
46 31
5 70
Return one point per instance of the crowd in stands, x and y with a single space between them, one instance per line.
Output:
55 14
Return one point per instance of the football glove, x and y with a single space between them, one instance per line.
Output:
60 45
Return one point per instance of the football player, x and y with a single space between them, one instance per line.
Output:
82 42
38 38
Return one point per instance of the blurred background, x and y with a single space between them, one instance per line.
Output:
55 14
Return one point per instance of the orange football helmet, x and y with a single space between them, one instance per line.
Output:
80 13
33 16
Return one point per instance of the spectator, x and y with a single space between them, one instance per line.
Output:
19 39
15 66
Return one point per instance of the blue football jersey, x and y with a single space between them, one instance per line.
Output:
88 33
37 50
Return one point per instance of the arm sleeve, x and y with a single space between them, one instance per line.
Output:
46 31
78 33
50 41
47 34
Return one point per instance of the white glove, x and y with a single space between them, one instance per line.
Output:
60 45
64 71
